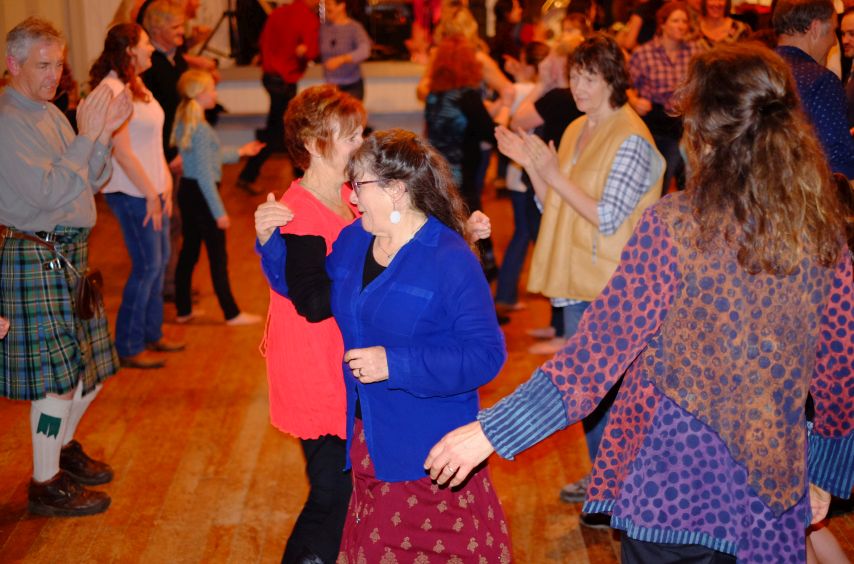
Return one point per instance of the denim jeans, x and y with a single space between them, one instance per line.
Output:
507 291
140 317
594 424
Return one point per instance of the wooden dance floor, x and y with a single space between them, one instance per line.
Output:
201 476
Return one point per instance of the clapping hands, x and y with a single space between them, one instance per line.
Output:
529 151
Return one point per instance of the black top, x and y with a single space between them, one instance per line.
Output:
162 80
557 108
646 12
309 286
372 267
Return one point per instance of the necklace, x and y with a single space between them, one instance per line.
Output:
336 206
391 255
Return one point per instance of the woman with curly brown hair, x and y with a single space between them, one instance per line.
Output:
733 301
140 195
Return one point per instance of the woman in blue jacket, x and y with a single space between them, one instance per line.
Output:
420 336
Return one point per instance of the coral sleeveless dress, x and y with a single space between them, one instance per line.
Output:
304 360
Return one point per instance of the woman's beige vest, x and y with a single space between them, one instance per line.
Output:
571 258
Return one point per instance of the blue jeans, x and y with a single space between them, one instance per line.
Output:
594 424
140 318
507 291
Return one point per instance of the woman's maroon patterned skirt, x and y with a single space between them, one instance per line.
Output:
419 522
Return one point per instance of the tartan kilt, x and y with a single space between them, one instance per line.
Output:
49 348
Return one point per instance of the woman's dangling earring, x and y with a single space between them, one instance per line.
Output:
394 216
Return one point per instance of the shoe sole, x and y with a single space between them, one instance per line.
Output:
572 499
597 526
48 511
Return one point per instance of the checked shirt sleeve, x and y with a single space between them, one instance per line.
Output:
627 182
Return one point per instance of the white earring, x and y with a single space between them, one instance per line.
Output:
394 216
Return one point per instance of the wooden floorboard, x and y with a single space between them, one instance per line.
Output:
201 476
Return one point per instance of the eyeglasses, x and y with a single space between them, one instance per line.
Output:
357 184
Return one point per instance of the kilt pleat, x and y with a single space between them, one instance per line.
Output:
49 348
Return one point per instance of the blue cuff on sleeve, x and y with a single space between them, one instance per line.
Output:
273 254
831 463
525 417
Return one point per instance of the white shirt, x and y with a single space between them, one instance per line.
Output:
145 127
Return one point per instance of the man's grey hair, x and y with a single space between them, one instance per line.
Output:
794 17
31 30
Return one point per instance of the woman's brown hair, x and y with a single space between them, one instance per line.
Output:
758 177
115 57
600 54
316 114
398 154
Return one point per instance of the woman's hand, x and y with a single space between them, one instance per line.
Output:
269 216
542 158
478 226
368 365
4 327
512 145
457 454
251 149
819 503
153 212
223 222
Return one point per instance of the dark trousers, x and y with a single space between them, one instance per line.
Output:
199 226
667 133
320 525
281 93
354 89
640 552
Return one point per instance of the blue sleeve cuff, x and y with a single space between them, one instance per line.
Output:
273 254
525 417
831 463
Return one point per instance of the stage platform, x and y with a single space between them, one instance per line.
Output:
389 97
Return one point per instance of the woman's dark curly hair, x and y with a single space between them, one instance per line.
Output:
115 57
398 154
600 54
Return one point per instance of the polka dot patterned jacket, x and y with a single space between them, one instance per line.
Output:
707 442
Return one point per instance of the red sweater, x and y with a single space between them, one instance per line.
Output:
288 27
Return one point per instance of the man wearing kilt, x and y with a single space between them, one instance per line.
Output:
52 357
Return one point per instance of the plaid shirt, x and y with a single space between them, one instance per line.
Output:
627 182
655 75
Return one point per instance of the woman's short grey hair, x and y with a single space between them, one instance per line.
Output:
31 30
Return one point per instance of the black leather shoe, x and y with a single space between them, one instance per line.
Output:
62 496
308 557
81 467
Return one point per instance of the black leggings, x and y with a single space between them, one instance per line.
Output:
320 525
198 226
639 552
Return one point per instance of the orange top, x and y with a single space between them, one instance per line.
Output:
304 360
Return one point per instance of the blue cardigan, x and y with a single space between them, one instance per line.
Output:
432 311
